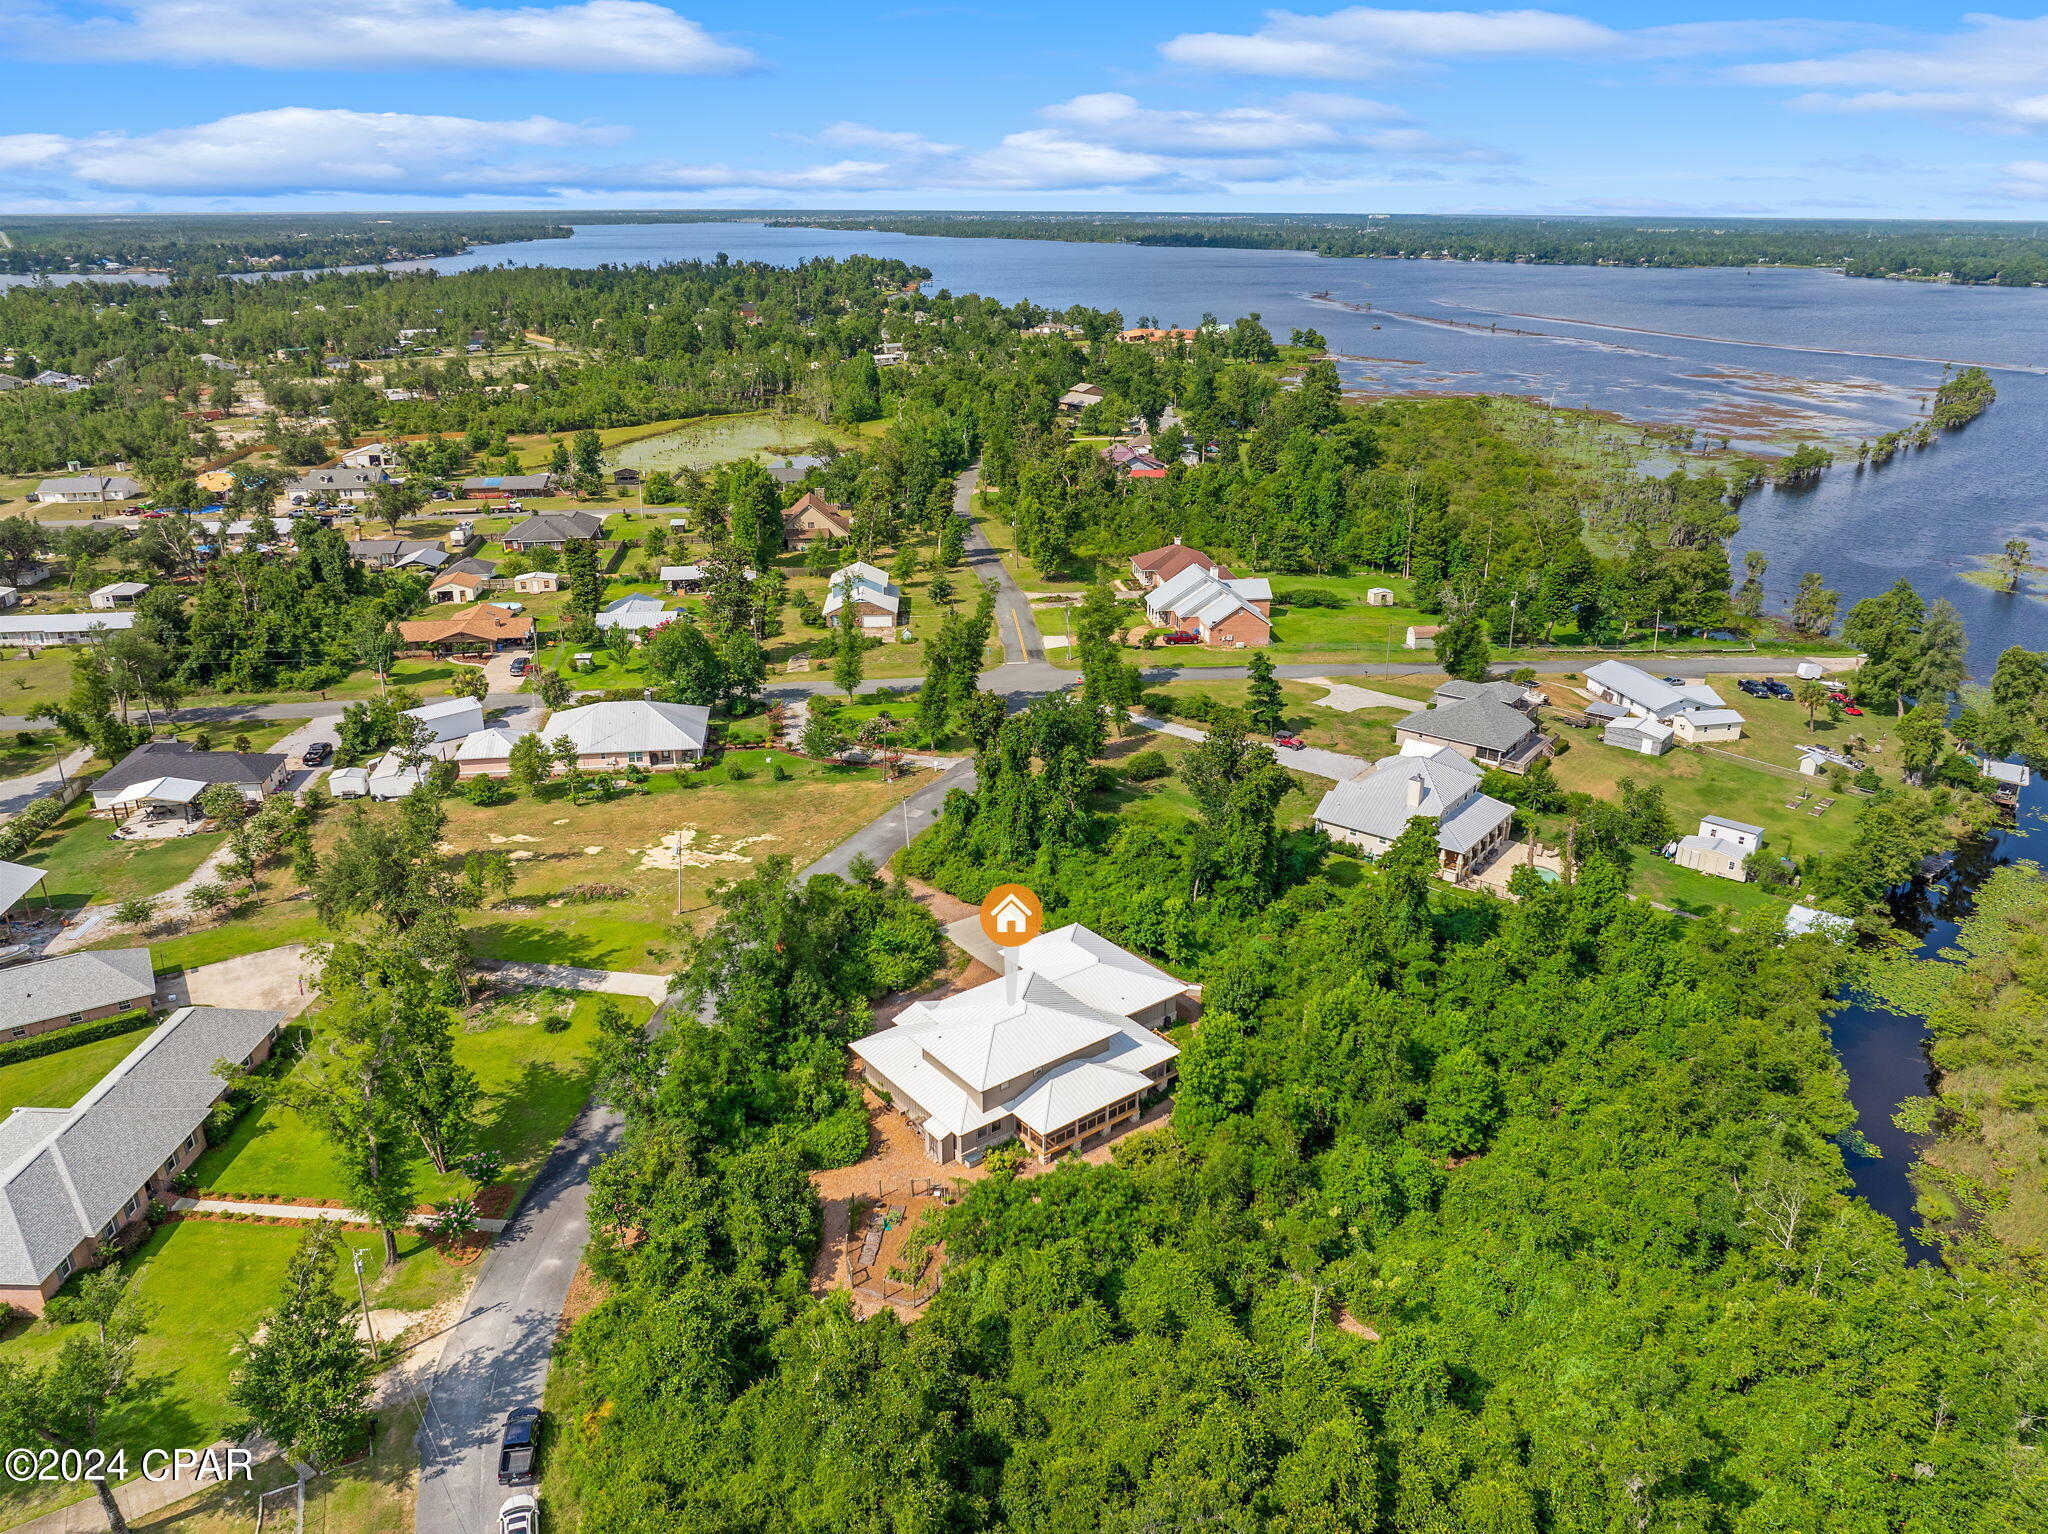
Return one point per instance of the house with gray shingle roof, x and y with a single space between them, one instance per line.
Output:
1490 732
1514 694
1372 809
76 988
73 1179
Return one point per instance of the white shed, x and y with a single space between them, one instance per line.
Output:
1379 596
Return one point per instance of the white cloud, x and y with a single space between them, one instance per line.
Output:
296 149
861 136
1359 41
2024 179
1303 122
617 35
1994 71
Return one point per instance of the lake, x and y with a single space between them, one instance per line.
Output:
1752 354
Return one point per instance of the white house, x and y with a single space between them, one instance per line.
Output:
536 582
450 718
635 614
1720 848
1705 726
39 631
1025 1057
117 594
1638 691
876 603
93 489
632 733
1372 809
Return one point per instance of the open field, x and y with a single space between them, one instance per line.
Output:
559 849
534 1084
83 866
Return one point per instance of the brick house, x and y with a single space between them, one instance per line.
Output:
1223 612
73 1180
76 988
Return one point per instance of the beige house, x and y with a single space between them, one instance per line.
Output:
1706 726
1720 847
814 517
536 582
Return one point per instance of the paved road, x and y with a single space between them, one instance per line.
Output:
15 793
498 1356
1014 623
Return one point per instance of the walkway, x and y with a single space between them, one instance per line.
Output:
301 1212
570 977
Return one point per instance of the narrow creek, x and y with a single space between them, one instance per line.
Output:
1884 1054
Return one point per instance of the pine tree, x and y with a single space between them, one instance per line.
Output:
848 666
1263 701
306 1382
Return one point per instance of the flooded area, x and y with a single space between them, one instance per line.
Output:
718 439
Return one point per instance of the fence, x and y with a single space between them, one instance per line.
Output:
1749 761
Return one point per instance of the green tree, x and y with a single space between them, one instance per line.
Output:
1462 648
73 1401
588 449
1814 606
1264 705
848 666
529 764
306 1381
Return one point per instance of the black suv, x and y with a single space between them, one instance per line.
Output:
518 1445
317 753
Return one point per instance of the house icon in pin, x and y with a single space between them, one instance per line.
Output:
1012 915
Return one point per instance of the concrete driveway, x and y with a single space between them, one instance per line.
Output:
275 980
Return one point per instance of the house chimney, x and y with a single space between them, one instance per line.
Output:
1416 789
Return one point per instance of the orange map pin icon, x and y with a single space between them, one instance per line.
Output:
1011 916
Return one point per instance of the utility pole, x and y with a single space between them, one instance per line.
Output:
364 1295
678 834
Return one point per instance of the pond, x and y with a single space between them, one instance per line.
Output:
718 439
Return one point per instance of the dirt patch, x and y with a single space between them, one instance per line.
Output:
585 1295
681 849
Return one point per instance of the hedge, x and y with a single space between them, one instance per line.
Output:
25 829
61 1039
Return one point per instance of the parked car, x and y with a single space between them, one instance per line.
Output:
1850 708
1753 687
1290 740
1672 681
317 753
1182 638
518 1446
519 1515
521 665
1778 688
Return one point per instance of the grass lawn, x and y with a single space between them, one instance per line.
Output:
29 751
250 930
84 866
534 1083
38 677
558 847
59 1080
212 1281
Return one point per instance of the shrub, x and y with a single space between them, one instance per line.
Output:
838 1139
1312 596
1868 780
778 772
482 1167
62 1039
1147 765
737 774
453 1219
485 792
554 1024
1006 1156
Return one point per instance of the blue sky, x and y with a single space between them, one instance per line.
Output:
1876 110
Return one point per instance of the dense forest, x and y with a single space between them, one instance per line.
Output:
195 243
2006 254
1470 1216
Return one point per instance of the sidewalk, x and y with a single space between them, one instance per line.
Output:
300 1212
570 977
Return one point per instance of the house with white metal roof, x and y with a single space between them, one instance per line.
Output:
1633 688
117 594
39 631
1439 784
634 733
1637 732
1017 1058
868 590
73 1179
1705 726
1721 848
1223 611
636 614
75 988
1097 973
450 718
17 882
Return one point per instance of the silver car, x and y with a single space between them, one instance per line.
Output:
519 1515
